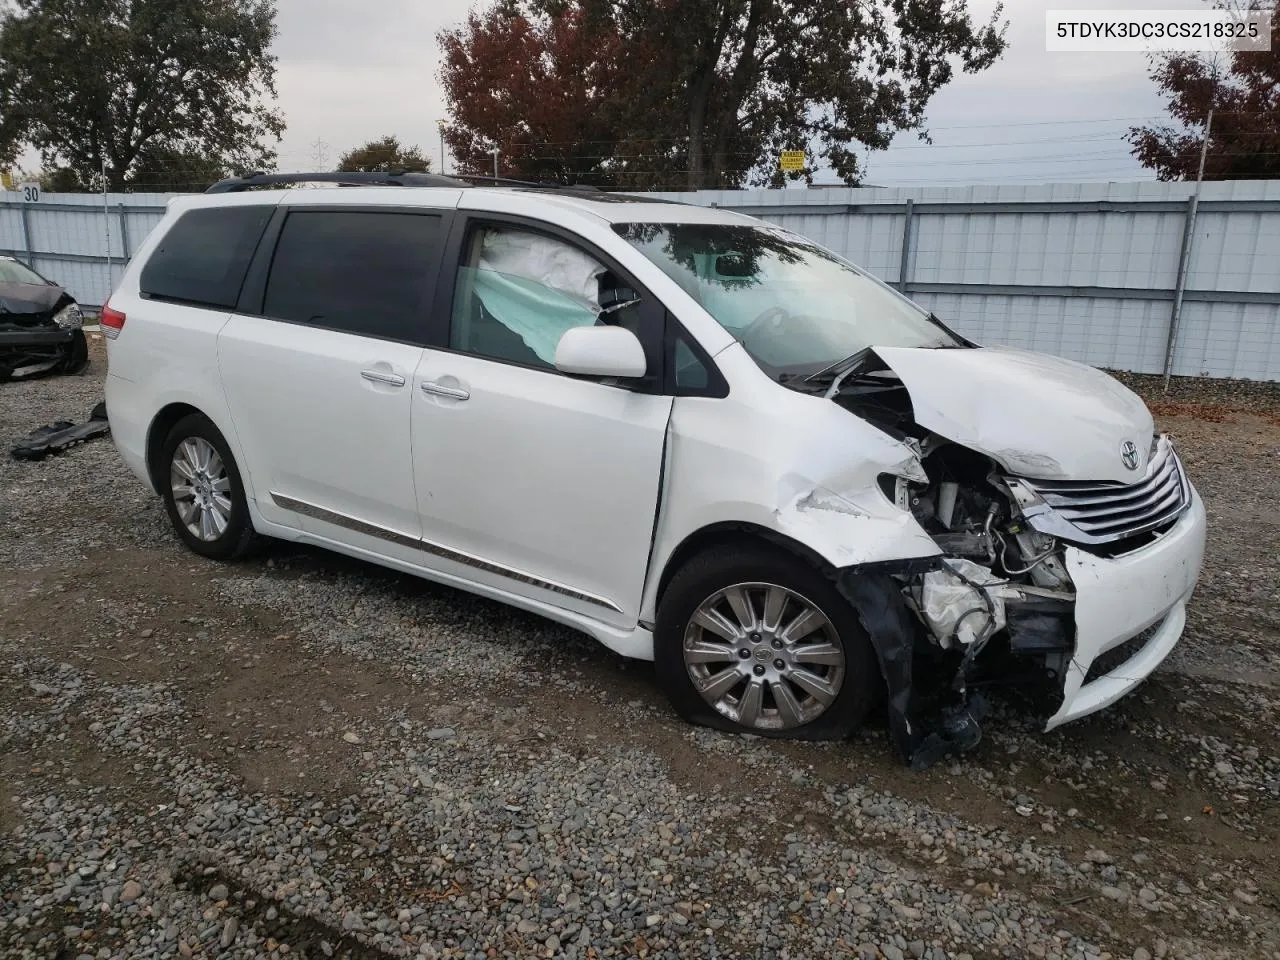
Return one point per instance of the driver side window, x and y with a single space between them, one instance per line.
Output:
517 292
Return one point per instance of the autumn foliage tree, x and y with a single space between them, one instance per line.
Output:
1244 139
546 90
384 155
698 93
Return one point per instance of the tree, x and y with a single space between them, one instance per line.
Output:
94 83
700 93
163 170
62 180
546 90
384 156
1244 138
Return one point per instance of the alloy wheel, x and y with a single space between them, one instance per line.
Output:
201 488
764 656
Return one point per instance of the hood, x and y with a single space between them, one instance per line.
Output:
1037 416
20 298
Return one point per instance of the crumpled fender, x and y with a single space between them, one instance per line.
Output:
802 468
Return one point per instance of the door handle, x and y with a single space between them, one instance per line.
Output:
440 390
377 376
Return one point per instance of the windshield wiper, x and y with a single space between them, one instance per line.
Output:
840 366
954 340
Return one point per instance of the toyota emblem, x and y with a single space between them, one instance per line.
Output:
1129 454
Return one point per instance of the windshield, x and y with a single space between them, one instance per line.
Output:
794 306
11 271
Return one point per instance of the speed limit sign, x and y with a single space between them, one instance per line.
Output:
30 192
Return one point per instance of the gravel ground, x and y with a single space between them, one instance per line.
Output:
307 755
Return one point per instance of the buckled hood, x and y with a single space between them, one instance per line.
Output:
19 299
1036 415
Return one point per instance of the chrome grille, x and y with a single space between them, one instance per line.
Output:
1091 512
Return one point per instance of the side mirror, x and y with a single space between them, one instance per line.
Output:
601 352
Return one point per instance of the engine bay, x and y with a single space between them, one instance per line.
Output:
996 608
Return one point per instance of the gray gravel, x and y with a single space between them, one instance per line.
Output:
304 755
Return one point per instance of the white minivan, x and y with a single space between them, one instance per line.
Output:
700 438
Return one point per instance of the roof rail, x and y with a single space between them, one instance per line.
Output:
395 178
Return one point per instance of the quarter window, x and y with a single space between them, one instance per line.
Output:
691 373
359 272
203 258
517 293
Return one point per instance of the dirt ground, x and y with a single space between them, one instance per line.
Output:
127 665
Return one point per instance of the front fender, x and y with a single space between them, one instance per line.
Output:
800 467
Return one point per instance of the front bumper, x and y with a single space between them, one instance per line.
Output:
15 337
28 350
1119 599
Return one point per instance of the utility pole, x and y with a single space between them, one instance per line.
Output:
440 125
494 151
106 227
1188 238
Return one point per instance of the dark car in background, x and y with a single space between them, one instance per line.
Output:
40 325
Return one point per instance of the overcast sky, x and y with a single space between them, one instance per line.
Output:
348 75
352 70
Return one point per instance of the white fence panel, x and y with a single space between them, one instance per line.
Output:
78 239
1086 271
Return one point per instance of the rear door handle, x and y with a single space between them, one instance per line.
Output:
440 390
378 376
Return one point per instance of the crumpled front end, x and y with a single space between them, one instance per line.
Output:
1071 591
39 337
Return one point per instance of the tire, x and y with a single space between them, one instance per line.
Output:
77 354
222 530
759 569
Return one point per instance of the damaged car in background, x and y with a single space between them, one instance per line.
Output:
702 439
40 325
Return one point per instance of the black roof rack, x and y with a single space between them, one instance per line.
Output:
397 178
408 178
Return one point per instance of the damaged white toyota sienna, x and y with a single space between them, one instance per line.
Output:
702 439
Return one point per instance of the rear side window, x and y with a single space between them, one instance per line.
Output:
354 271
203 258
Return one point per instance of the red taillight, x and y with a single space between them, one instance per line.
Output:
112 322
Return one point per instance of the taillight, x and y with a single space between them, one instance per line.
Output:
112 322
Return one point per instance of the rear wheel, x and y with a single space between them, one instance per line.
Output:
755 640
203 492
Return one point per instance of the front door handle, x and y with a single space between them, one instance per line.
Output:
379 376
440 390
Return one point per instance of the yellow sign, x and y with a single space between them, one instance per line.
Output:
6 179
792 161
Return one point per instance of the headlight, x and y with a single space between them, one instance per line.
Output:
69 317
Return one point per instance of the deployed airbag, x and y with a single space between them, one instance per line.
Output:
537 287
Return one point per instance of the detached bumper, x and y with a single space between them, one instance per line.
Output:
1139 600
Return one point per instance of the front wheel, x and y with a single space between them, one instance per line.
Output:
755 640
77 360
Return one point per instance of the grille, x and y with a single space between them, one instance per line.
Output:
1118 656
1093 513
